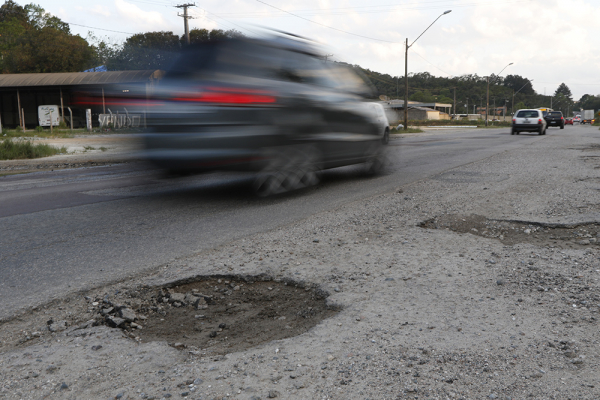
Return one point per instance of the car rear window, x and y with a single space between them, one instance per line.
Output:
555 114
527 114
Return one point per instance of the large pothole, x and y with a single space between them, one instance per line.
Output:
511 232
216 315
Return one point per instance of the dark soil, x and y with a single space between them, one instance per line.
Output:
217 315
512 232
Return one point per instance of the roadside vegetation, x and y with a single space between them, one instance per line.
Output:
409 130
24 149
460 122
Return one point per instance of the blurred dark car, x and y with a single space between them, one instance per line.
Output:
272 106
555 118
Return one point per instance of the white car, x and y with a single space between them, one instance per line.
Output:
528 121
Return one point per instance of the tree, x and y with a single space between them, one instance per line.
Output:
516 82
588 102
204 35
11 10
519 106
151 50
564 90
33 40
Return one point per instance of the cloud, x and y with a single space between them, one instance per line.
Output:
140 20
100 10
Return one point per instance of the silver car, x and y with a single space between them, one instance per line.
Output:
528 120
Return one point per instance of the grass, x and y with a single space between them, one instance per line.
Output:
409 130
459 122
63 133
24 149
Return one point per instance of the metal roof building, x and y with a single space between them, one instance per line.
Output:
21 94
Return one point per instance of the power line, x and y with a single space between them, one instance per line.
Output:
100 29
326 26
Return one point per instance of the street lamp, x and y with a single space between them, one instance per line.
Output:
512 108
487 102
406 70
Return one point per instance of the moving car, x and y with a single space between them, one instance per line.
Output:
272 106
555 118
577 119
568 121
528 120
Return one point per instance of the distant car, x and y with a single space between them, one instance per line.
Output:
568 121
577 119
528 121
555 118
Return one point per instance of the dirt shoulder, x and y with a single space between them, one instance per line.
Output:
481 282
82 151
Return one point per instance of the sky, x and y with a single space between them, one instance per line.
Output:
549 42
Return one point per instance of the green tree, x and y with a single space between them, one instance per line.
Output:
204 35
588 102
33 40
516 82
565 91
519 106
423 97
151 50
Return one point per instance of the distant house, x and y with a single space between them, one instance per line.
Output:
416 110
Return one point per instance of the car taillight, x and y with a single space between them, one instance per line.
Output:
228 96
514 120
540 121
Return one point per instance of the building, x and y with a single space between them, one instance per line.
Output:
416 110
21 94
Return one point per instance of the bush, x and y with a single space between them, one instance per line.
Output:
20 149
39 129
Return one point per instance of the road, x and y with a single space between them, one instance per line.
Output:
69 230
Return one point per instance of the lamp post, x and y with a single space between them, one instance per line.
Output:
512 108
406 69
487 102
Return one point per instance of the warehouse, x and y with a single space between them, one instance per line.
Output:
22 94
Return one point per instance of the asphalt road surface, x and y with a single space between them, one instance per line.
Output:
69 230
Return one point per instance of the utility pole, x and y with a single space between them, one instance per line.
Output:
454 102
185 19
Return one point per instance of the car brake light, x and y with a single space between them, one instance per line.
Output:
540 121
228 96
514 120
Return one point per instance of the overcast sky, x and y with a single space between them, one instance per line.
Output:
549 41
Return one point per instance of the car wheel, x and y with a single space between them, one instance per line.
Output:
377 159
562 127
512 131
291 168
541 131
386 137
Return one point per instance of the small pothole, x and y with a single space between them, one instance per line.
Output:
217 314
512 232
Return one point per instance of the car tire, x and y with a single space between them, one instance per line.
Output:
541 131
562 127
291 168
377 160
386 137
512 131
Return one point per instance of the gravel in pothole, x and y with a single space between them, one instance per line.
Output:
512 232
215 315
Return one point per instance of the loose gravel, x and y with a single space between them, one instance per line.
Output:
436 291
